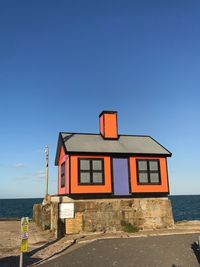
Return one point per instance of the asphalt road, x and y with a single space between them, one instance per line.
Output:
156 251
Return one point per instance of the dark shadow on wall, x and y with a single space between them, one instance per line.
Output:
196 250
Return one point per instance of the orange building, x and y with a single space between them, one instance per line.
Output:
109 164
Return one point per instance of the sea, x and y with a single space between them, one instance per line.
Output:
185 207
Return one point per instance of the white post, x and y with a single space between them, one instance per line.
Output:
199 243
21 260
47 167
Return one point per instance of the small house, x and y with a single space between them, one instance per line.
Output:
109 164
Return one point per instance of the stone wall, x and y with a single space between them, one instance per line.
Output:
57 225
112 214
42 215
46 216
91 215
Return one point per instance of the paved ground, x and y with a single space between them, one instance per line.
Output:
156 251
168 247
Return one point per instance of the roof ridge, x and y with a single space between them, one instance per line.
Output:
134 135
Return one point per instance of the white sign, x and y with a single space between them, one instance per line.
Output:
66 210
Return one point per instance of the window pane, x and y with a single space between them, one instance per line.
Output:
142 165
143 178
85 177
154 177
97 177
84 164
62 181
97 165
62 168
153 165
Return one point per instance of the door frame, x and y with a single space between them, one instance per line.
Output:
129 175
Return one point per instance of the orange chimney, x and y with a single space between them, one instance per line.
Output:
108 124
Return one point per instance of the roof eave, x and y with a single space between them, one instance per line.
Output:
118 153
60 144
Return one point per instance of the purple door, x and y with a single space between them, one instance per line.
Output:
121 177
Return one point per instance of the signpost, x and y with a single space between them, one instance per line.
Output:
24 238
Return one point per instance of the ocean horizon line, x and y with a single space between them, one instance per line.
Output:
170 195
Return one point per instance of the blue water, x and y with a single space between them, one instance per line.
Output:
17 208
184 207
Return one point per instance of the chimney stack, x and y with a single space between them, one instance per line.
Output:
108 124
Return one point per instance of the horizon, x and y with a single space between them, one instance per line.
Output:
64 62
56 195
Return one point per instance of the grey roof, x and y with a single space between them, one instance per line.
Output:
95 143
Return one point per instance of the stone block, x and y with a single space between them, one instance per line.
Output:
74 225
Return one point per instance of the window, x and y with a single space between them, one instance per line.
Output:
63 175
91 171
148 171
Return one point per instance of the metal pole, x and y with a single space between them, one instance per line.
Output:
21 260
199 243
47 167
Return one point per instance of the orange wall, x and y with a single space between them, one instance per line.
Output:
101 121
162 188
63 158
75 188
107 187
108 125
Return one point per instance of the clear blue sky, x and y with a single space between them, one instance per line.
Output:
63 62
